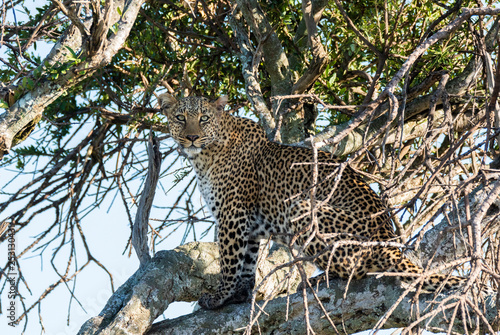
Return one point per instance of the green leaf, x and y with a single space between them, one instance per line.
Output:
114 28
30 84
37 72
72 52
20 164
331 81
3 104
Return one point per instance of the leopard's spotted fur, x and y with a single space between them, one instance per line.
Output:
255 189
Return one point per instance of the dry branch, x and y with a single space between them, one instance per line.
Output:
452 234
140 228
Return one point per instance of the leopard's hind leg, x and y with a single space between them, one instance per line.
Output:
338 245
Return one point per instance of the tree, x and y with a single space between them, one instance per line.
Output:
405 92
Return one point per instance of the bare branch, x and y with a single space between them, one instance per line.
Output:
451 233
312 11
84 31
140 228
442 33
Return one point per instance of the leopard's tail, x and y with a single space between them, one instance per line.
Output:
409 273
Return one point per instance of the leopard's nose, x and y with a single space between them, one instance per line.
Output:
192 138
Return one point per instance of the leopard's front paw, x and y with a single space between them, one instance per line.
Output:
210 301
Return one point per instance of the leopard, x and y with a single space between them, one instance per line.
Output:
257 189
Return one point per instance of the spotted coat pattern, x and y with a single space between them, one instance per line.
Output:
257 189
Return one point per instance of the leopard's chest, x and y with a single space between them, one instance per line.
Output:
230 185
208 190
214 183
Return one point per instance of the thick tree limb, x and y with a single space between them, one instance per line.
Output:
175 275
19 118
277 66
276 61
365 303
180 275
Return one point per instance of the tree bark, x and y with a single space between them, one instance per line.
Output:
140 227
366 302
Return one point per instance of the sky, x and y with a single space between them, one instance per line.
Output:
107 231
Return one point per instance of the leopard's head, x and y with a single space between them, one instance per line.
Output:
194 122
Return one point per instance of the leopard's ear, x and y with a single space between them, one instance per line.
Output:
167 101
221 103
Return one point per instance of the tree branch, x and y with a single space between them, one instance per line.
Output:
19 118
250 72
350 136
356 30
181 275
442 33
75 20
452 234
276 61
278 68
140 228
312 11
365 303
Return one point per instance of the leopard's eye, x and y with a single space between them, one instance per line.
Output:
204 118
180 117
